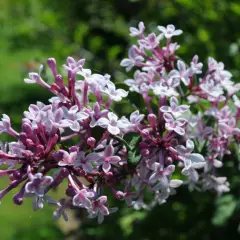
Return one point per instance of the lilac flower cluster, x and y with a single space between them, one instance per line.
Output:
180 137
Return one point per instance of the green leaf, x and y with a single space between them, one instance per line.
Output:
225 207
133 158
136 100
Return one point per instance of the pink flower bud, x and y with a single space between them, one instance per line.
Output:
169 160
152 119
118 194
91 141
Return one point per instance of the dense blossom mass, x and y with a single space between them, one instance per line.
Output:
179 137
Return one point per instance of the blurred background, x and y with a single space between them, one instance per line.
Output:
33 30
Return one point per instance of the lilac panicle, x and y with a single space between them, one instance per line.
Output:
188 125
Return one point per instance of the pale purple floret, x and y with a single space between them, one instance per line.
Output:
190 158
161 89
5 124
171 48
184 72
196 67
109 159
96 114
64 158
200 131
220 184
160 174
190 170
169 31
164 191
35 78
136 118
174 108
72 117
128 195
135 32
113 93
150 42
83 198
133 60
211 88
87 161
94 80
61 205
174 125
112 123
192 161
74 66
37 184
34 111
100 209
140 78
186 152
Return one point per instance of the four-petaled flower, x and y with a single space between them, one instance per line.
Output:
37 184
74 66
112 123
160 174
150 42
174 108
82 198
169 31
191 160
174 125
133 60
72 117
100 209
115 95
87 162
65 158
137 31
96 114
109 159
136 118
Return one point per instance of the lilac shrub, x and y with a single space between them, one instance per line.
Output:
178 138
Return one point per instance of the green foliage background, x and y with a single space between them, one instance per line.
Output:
33 30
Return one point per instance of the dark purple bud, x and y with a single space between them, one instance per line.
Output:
143 145
71 192
17 175
74 149
65 172
91 141
18 198
145 152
